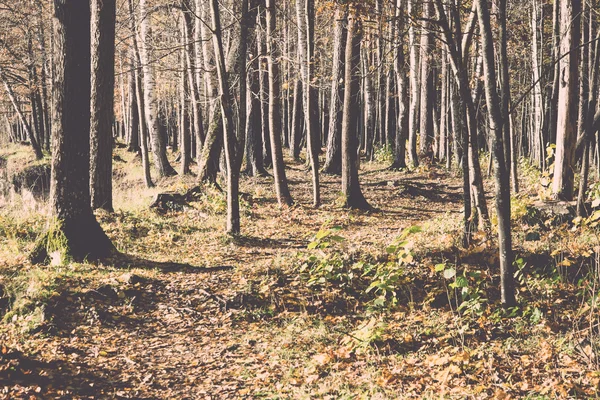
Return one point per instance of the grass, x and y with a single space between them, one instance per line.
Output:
263 330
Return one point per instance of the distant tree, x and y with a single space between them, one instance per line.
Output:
28 130
157 139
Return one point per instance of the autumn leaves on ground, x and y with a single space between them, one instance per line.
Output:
306 303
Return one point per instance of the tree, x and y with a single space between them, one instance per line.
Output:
102 102
414 87
139 96
281 185
566 133
73 232
13 99
159 146
311 107
333 159
353 197
501 170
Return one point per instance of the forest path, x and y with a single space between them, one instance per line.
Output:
151 334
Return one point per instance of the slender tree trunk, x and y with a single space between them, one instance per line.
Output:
193 86
184 120
402 90
414 87
297 120
137 67
312 106
159 146
501 172
102 102
353 197
32 139
427 84
281 185
563 181
233 205
333 158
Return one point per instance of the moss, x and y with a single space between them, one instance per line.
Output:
53 246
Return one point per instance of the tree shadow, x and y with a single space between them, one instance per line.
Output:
268 243
408 188
128 261
29 377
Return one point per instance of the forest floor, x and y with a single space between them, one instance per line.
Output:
307 303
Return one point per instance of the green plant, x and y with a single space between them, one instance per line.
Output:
466 287
385 282
325 237
384 154
327 269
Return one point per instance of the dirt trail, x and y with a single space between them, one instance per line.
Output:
198 335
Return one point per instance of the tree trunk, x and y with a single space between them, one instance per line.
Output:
501 172
137 67
563 181
184 119
75 233
402 90
229 138
313 137
427 84
32 139
414 87
281 185
102 102
353 197
333 158
159 146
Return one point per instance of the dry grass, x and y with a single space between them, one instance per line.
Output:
258 330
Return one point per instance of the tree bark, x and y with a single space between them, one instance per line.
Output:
333 158
159 146
501 172
414 87
353 196
102 102
137 67
566 133
281 185
74 232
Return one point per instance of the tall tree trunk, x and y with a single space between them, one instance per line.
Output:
102 102
254 143
281 184
229 138
193 86
75 226
353 197
402 90
501 172
184 120
414 86
563 181
427 84
333 158
158 141
137 67
313 137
